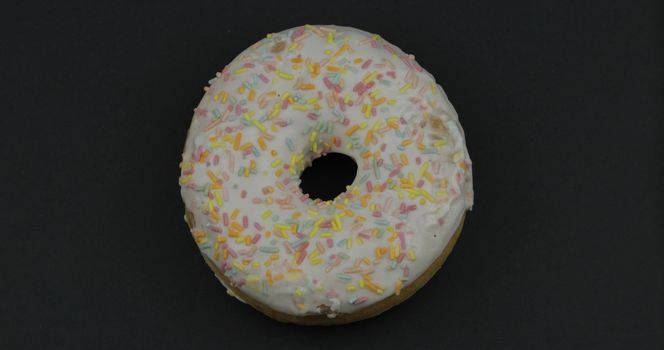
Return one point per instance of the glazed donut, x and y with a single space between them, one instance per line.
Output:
286 100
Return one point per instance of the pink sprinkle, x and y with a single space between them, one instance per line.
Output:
400 225
256 238
288 247
249 65
418 160
392 74
303 247
328 83
441 221
366 64
369 186
373 111
383 147
360 300
232 253
358 87
258 226
312 116
406 271
330 243
245 221
380 162
400 258
215 228
394 172
420 183
297 33
331 294
263 78
402 240
225 218
243 194
215 160
377 214
238 110
300 259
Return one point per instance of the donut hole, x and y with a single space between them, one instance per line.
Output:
328 176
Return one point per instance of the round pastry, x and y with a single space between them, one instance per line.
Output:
288 99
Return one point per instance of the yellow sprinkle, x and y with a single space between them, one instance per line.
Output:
404 88
427 195
235 213
299 107
370 77
330 38
311 100
218 198
312 137
266 214
337 221
439 143
236 142
411 254
240 70
312 212
284 75
238 265
313 232
349 243
404 158
298 292
276 162
258 124
351 287
406 142
397 287
391 101
424 168
366 154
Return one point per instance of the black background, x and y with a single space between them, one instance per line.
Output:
562 106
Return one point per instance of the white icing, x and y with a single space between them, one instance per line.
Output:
306 286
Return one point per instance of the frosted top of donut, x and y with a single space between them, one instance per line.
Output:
288 99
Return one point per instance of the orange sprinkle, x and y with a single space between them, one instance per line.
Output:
236 142
261 143
352 129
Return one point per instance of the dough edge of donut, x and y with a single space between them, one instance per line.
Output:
343 318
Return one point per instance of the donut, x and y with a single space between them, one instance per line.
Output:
288 99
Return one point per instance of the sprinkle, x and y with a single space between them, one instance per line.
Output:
397 287
283 75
